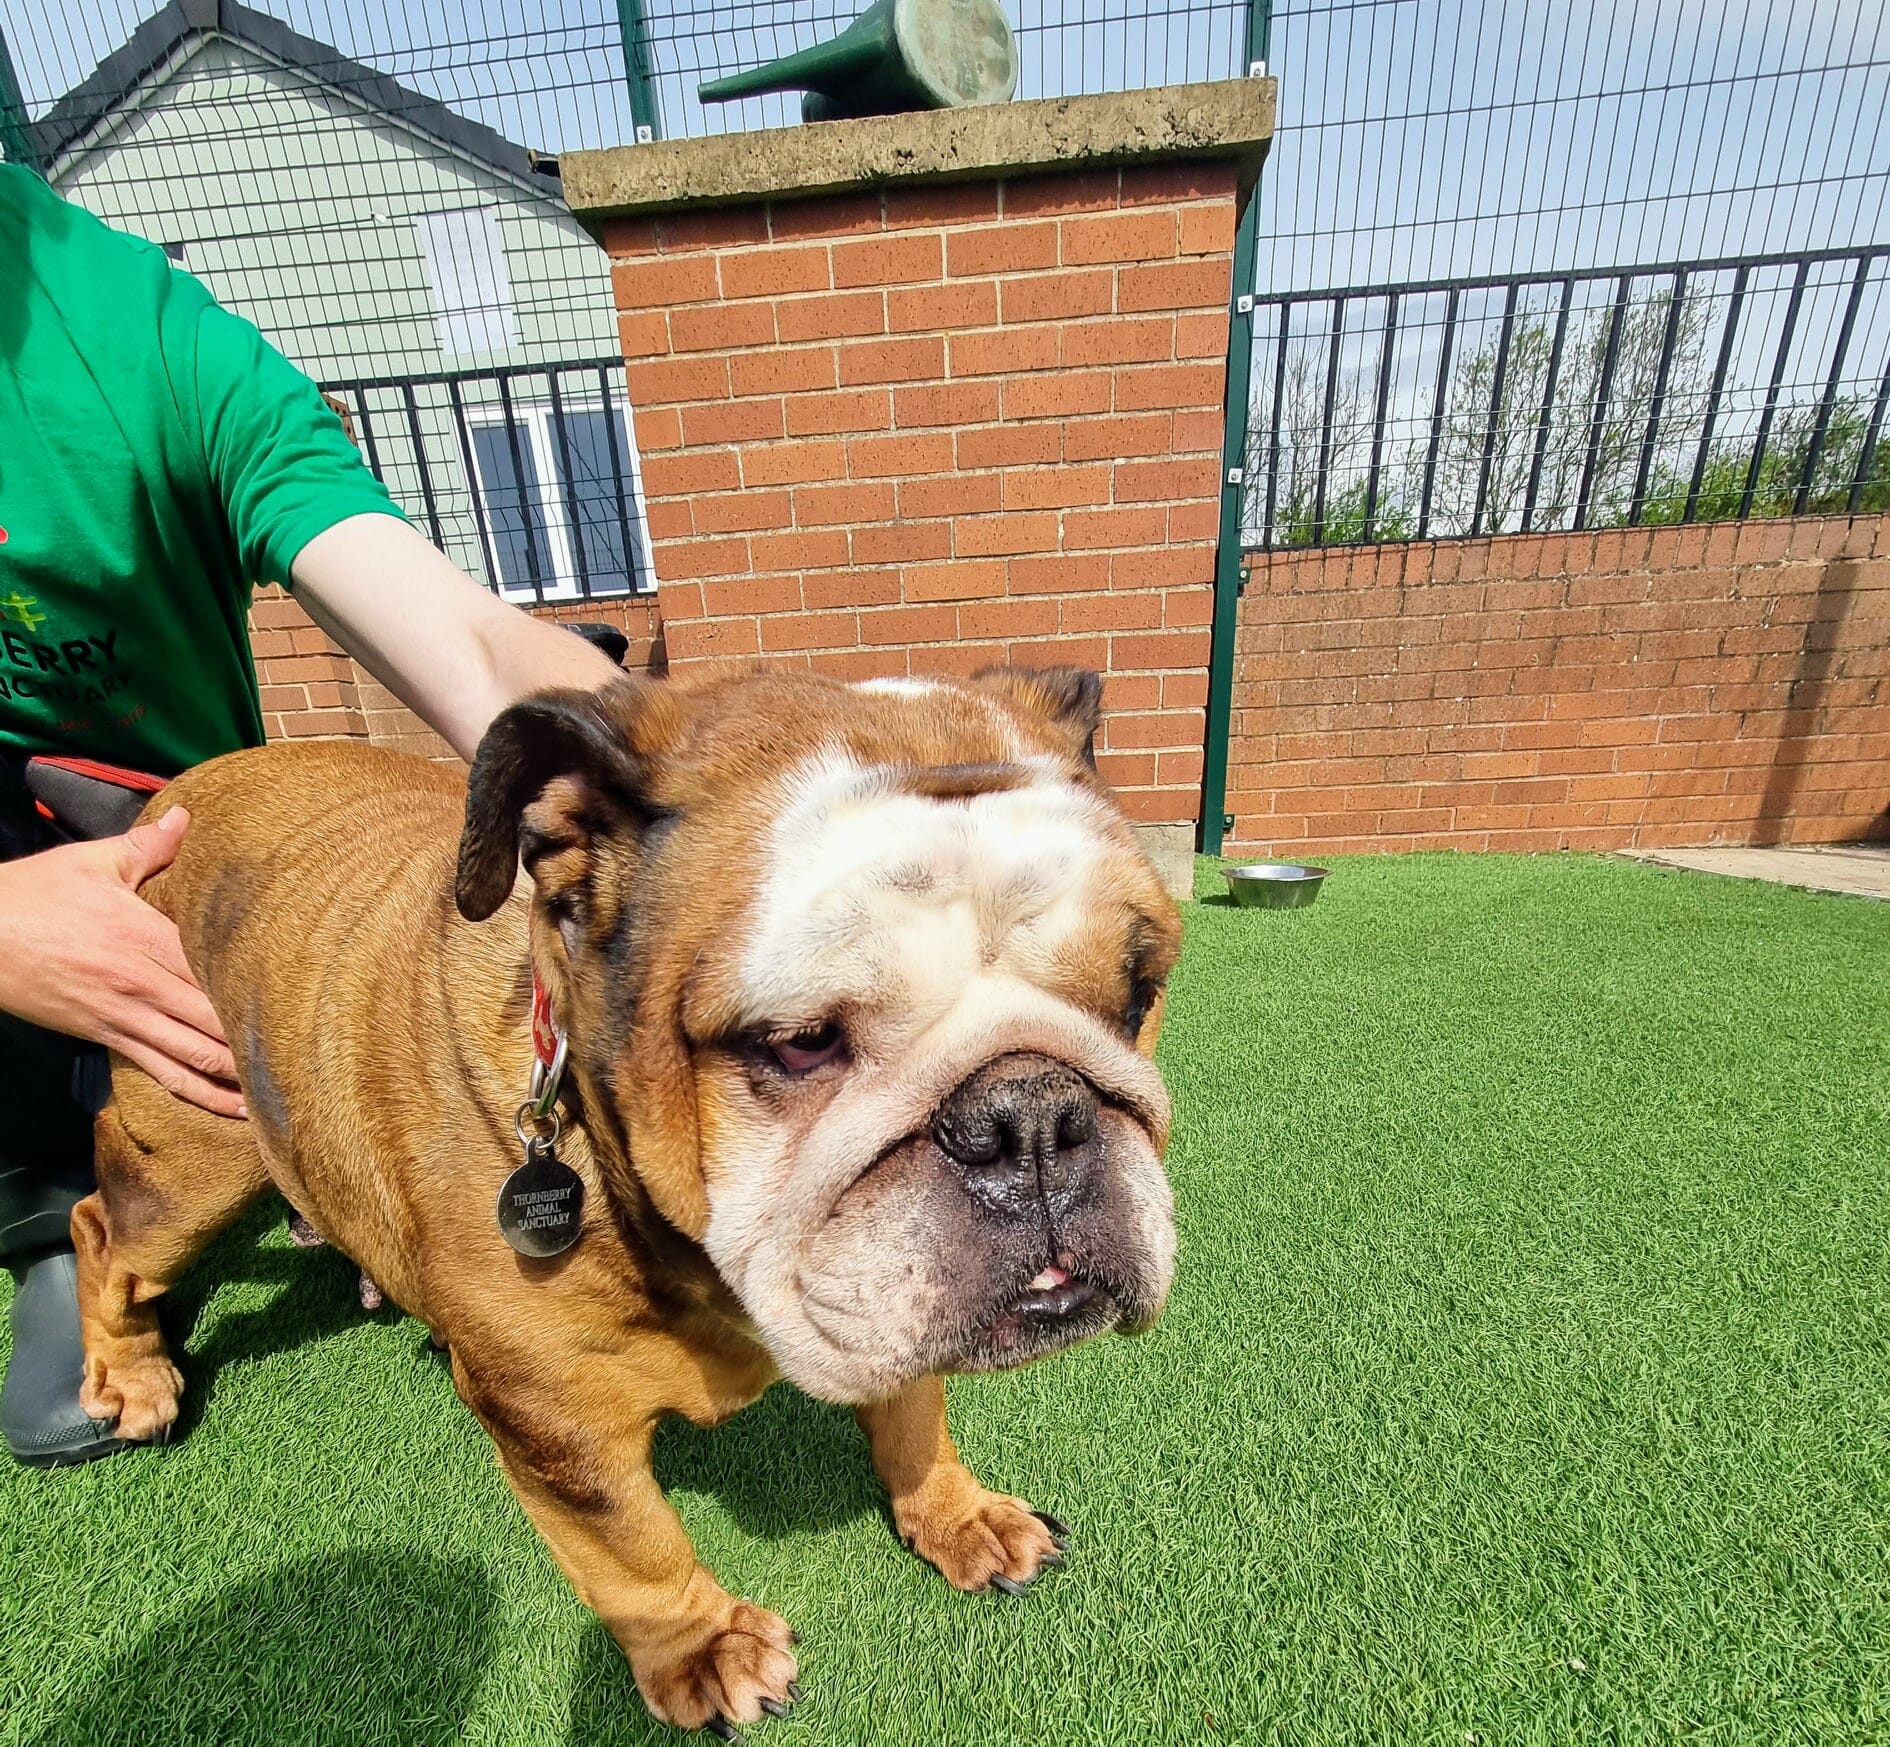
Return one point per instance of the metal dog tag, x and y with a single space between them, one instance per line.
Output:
541 1207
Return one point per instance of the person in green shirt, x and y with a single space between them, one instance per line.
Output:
158 460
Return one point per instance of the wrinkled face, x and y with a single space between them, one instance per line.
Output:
898 968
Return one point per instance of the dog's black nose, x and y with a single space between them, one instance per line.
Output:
1022 1130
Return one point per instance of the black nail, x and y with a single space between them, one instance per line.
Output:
774 1707
1008 1585
1059 1531
794 1692
720 1727
1052 1561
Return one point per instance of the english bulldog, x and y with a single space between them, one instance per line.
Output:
710 1034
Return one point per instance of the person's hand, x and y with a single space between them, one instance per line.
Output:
86 956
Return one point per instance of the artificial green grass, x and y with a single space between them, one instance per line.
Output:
1526 1379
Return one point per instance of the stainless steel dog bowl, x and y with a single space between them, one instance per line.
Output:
1274 885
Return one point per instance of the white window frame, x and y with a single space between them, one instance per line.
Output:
532 418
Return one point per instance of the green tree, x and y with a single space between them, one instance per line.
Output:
1787 454
1510 424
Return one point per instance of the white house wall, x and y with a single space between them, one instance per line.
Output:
296 207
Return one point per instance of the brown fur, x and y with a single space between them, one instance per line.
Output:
382 1043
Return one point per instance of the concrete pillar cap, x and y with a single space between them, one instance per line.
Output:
1230 119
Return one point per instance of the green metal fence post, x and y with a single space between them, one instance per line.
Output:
1228 557
16 137
637 71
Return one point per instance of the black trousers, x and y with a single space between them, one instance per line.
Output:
50 1086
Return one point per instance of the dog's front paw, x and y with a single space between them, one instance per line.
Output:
987 1541
739 1669
141 1393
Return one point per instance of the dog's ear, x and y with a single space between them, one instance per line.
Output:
590 756
1068 699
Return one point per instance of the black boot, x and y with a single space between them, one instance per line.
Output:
40 1417
53 1086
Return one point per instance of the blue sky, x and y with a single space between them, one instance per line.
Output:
1433 138
1419 138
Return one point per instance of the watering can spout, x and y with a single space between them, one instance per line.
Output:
826 66
898 55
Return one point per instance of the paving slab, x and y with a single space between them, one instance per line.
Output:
1859 870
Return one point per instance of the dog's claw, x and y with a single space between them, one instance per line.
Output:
723 1730
794 1692
1059 1531
1008 1585
774 1707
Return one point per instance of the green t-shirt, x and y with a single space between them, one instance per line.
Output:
158 459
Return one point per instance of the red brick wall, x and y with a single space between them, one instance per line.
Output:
1722 684
933 429
310 690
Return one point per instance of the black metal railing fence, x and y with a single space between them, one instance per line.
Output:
527 476
1443 339
1607 396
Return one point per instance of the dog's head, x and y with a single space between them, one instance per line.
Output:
868 977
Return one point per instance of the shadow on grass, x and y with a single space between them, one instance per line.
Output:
367 1646
785 1466
318 1298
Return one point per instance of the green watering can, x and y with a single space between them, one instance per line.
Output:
898 55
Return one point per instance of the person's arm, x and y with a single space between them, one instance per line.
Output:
85 956
451 651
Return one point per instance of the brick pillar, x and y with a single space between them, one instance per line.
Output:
910 425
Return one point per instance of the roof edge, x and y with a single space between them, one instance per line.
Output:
157 40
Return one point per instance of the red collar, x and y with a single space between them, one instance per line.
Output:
544 1027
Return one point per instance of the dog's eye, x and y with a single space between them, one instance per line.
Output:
804 1051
